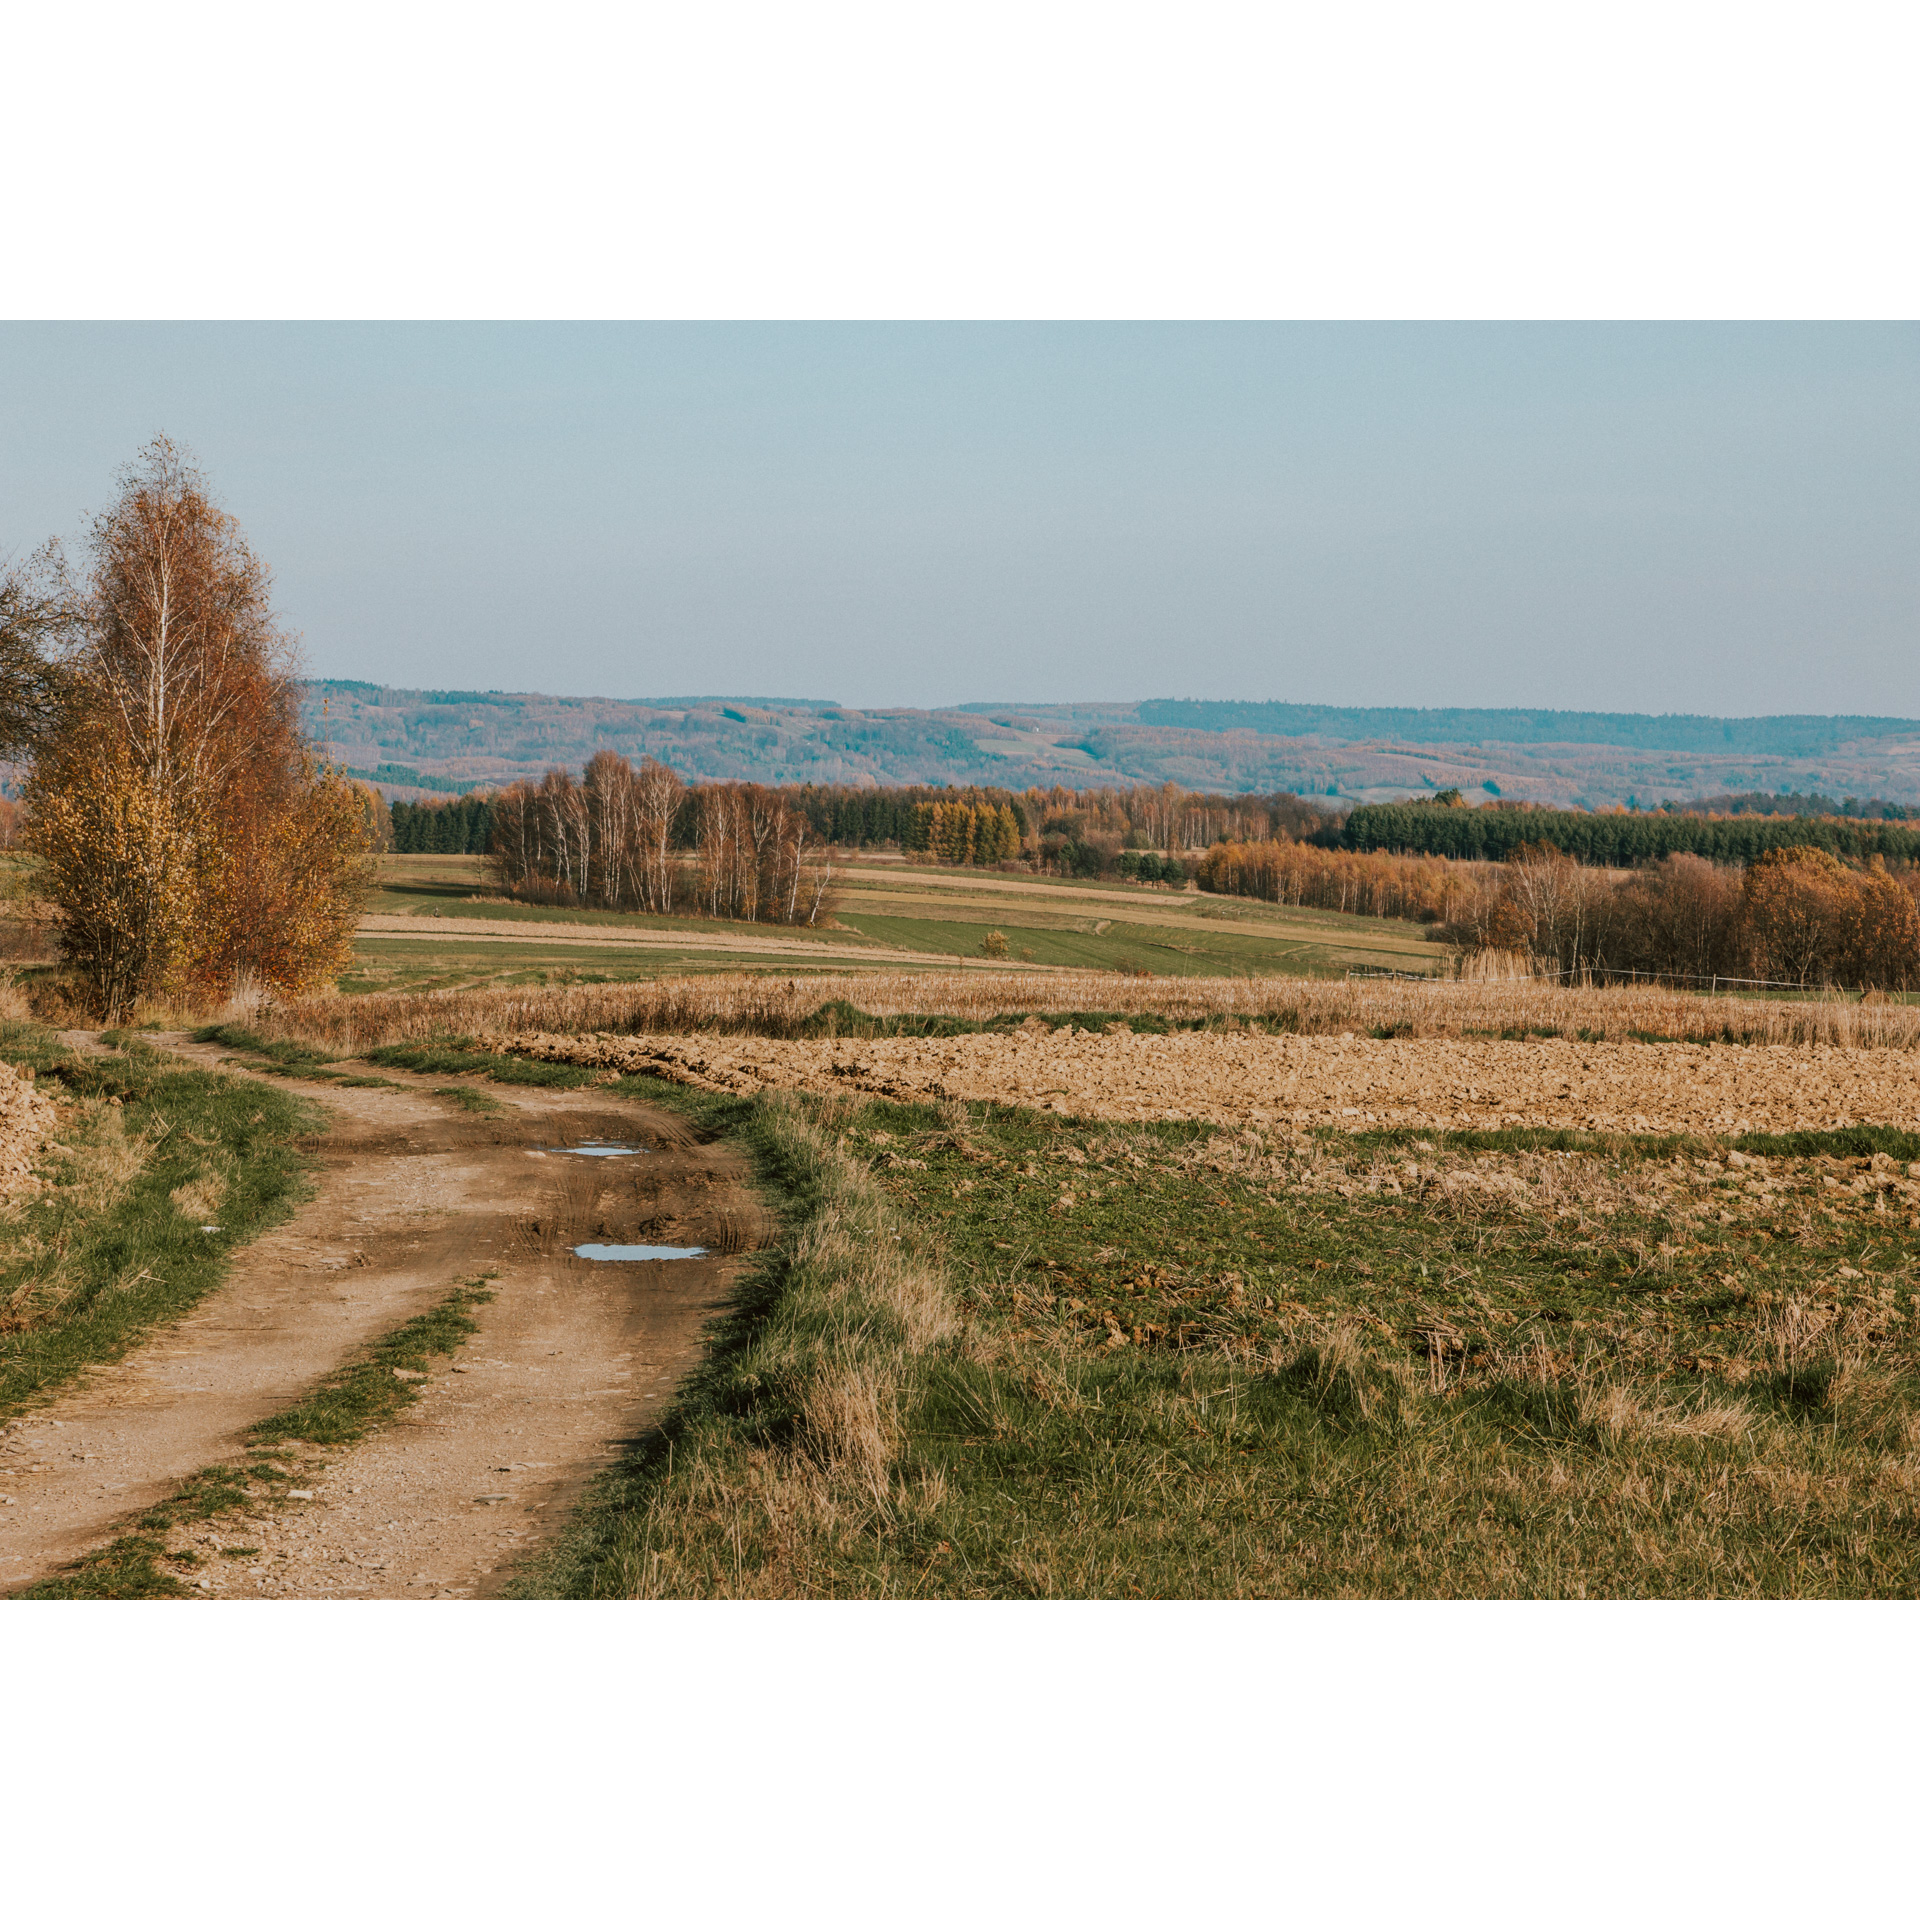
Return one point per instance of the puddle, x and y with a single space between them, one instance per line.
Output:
594 1250
598 1150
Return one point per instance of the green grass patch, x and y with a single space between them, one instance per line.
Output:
1840 1143
456 1056
369 1391
1628 1146
139 1565
1189 1363
469 1099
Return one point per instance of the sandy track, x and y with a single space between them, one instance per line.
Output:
573 1357
1348 1082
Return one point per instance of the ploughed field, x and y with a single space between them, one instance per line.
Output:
1349 1082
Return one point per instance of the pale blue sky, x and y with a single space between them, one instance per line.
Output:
1719 519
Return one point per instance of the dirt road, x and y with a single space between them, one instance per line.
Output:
573 1358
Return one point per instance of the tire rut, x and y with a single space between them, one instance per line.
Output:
573 1358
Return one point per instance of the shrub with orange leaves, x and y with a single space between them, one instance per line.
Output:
187 836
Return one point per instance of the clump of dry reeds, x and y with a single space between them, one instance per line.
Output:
1416 1009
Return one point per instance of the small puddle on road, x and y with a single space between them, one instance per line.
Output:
595 1250
597 1150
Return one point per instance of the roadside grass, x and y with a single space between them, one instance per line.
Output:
151 1156
1186 1362
345 1407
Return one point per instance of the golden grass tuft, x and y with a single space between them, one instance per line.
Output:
201 1198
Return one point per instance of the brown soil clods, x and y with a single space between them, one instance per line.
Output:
27 1117
1346 1082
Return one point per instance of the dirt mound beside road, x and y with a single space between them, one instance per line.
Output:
1306 1081
26 1118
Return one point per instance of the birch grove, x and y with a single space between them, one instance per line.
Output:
638 840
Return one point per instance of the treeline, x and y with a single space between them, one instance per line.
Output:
1613 839
1795 915
1802 804
616 839
1290 873
443 826
1061 828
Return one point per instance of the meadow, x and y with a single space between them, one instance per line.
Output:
887 911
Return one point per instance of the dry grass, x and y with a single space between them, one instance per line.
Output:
780 1009
201 1198
760 1509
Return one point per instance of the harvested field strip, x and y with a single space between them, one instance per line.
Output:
157 1174
780 1008
1357 1085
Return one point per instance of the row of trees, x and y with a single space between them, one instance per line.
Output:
614 838
443 826
1795 915
188 837
1063 828
963 834
1614 839
1291 873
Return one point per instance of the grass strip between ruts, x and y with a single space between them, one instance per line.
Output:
345 1407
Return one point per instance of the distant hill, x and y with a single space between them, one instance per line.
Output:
1793 735
418 741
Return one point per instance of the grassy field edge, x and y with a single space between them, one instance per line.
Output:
786 1439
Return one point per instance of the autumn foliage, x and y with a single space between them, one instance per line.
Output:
1796 916
189 839
1290 873
638 839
